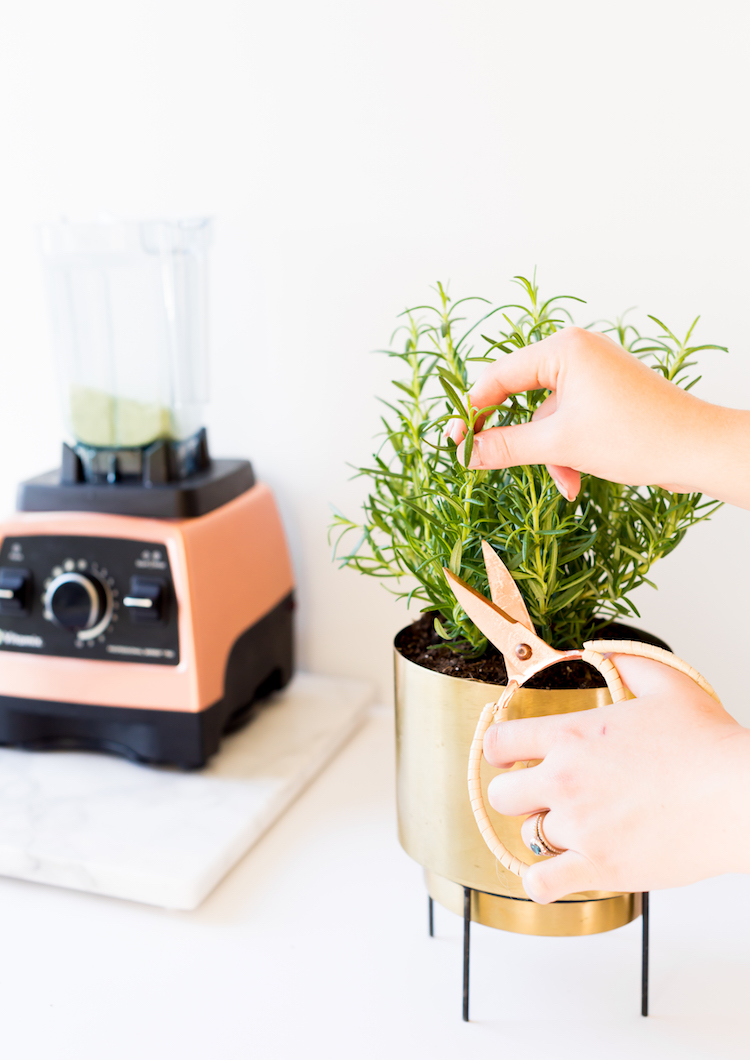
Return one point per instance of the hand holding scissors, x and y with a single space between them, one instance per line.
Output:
506 623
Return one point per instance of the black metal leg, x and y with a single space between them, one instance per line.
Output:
644 956
467 940
431 914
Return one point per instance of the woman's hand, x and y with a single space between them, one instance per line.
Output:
649 793
609 415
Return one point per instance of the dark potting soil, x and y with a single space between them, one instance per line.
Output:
421 645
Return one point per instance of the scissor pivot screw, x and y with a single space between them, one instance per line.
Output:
523 651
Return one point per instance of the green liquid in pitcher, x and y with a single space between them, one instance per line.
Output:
98 418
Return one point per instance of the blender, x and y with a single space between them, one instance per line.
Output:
146 591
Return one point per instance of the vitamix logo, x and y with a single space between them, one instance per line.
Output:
20 640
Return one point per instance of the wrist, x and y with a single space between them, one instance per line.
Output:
729 838
715 455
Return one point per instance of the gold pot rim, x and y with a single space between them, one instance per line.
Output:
629 633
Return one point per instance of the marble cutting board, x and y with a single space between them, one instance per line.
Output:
101 824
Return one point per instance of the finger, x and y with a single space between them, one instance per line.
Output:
547 407
456 430
566 479
507 742
535 442
552 879
528 832
509 446
645 677
517 792
534 367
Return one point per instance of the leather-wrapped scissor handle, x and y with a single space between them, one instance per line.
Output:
493 712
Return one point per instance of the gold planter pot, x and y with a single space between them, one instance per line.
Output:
436 716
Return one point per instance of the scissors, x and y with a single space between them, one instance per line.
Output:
505 622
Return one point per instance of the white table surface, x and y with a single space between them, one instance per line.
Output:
163 836
316 946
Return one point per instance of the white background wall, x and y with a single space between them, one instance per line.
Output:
353 153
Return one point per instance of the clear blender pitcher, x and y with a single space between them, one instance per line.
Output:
128 312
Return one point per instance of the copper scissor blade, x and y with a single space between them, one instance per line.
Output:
503 589
524 652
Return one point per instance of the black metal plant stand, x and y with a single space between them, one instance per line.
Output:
467 948
467 942
644 954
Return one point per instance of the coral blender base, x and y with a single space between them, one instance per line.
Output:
139 636
260 662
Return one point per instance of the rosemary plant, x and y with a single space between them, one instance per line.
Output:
576 562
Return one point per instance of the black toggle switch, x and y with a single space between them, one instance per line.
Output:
14 591
146 600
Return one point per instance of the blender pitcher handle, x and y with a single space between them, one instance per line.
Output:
493 712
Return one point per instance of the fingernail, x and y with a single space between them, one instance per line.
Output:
475 460
560 487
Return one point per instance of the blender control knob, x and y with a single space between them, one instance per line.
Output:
14 591
147 600
77 602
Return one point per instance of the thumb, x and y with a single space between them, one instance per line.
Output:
645 677
524 443
550 880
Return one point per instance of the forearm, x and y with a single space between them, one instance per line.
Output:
717 461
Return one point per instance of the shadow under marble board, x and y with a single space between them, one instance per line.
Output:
112 827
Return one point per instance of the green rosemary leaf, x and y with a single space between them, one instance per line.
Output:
451 378
453 397
468 447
